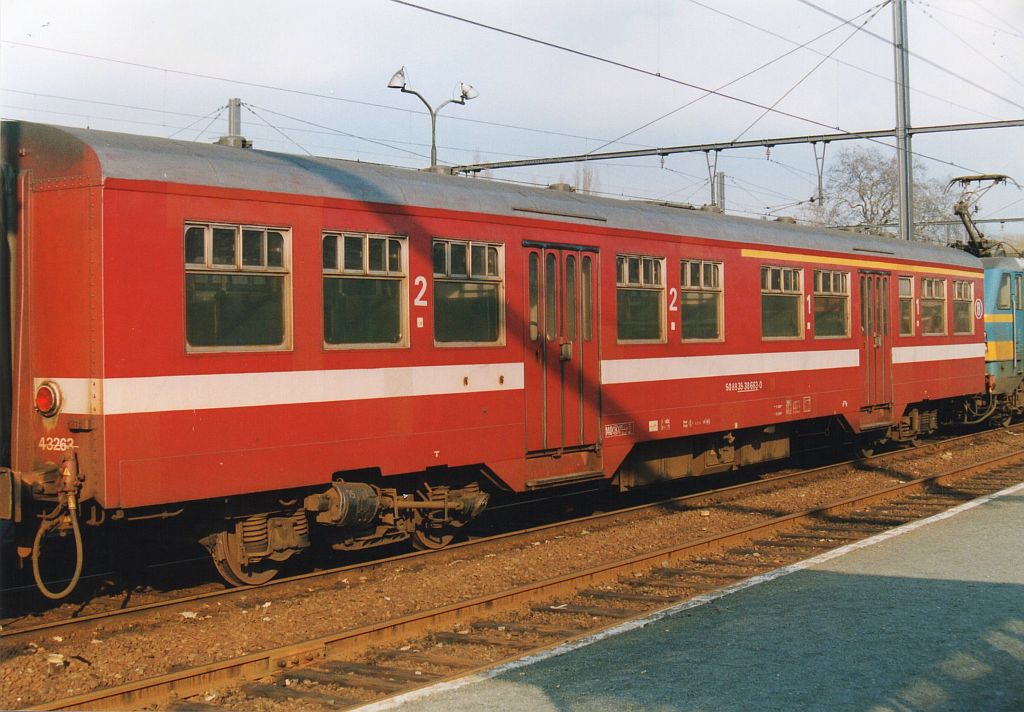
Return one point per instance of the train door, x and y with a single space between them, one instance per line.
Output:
1018 322
561 355
877 348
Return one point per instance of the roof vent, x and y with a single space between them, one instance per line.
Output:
670 204
563 187
235 139
789 220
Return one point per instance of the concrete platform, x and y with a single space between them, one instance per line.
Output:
927 617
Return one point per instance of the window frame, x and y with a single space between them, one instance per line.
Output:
818 290
470 277
900 299
718 269
1005 285
623 280
770 291
959 285
340 271
208 267
927 296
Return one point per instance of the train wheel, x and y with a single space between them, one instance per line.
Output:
227 558
432 538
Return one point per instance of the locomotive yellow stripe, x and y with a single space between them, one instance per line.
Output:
867 264
999 318
999 351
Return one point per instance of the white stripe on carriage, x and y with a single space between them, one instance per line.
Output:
157 394
681 367
939 352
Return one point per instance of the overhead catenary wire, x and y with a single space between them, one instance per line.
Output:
112 104
252 111
887 79
330 131
207 127
656 75
288 90
99 102
918 57
218 111
957 36
88 116
325 131
613 62
719 88
342 133
1016 31
856 31
393 108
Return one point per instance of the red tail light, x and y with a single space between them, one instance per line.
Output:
47 399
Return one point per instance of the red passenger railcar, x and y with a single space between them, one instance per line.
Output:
276 348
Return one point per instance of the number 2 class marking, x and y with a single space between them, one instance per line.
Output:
421 296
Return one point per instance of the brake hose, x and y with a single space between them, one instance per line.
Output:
37 550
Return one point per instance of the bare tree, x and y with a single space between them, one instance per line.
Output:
861 192
586 178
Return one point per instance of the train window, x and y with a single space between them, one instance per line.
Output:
534 287
1004 291
933 306
781 298
468 301
364 292
588 288
906 297
700 301
224 245
640 298
275 249
831 304
1019 304
252 247
236 287
195 247
963 307
570 297
551 283
353 253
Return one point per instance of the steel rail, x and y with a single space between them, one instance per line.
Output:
15 635
186 683
65 627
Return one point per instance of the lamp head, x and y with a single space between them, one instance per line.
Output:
398 80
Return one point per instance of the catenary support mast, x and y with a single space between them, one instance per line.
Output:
904 155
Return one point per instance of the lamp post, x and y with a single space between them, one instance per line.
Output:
466 92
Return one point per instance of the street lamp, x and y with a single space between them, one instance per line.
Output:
466 92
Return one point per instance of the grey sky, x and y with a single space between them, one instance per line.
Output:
336 58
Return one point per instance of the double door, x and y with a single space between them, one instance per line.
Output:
561 354
875 323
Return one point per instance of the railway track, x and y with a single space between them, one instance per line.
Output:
114 608
356 666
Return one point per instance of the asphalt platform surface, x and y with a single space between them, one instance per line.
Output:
927 618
